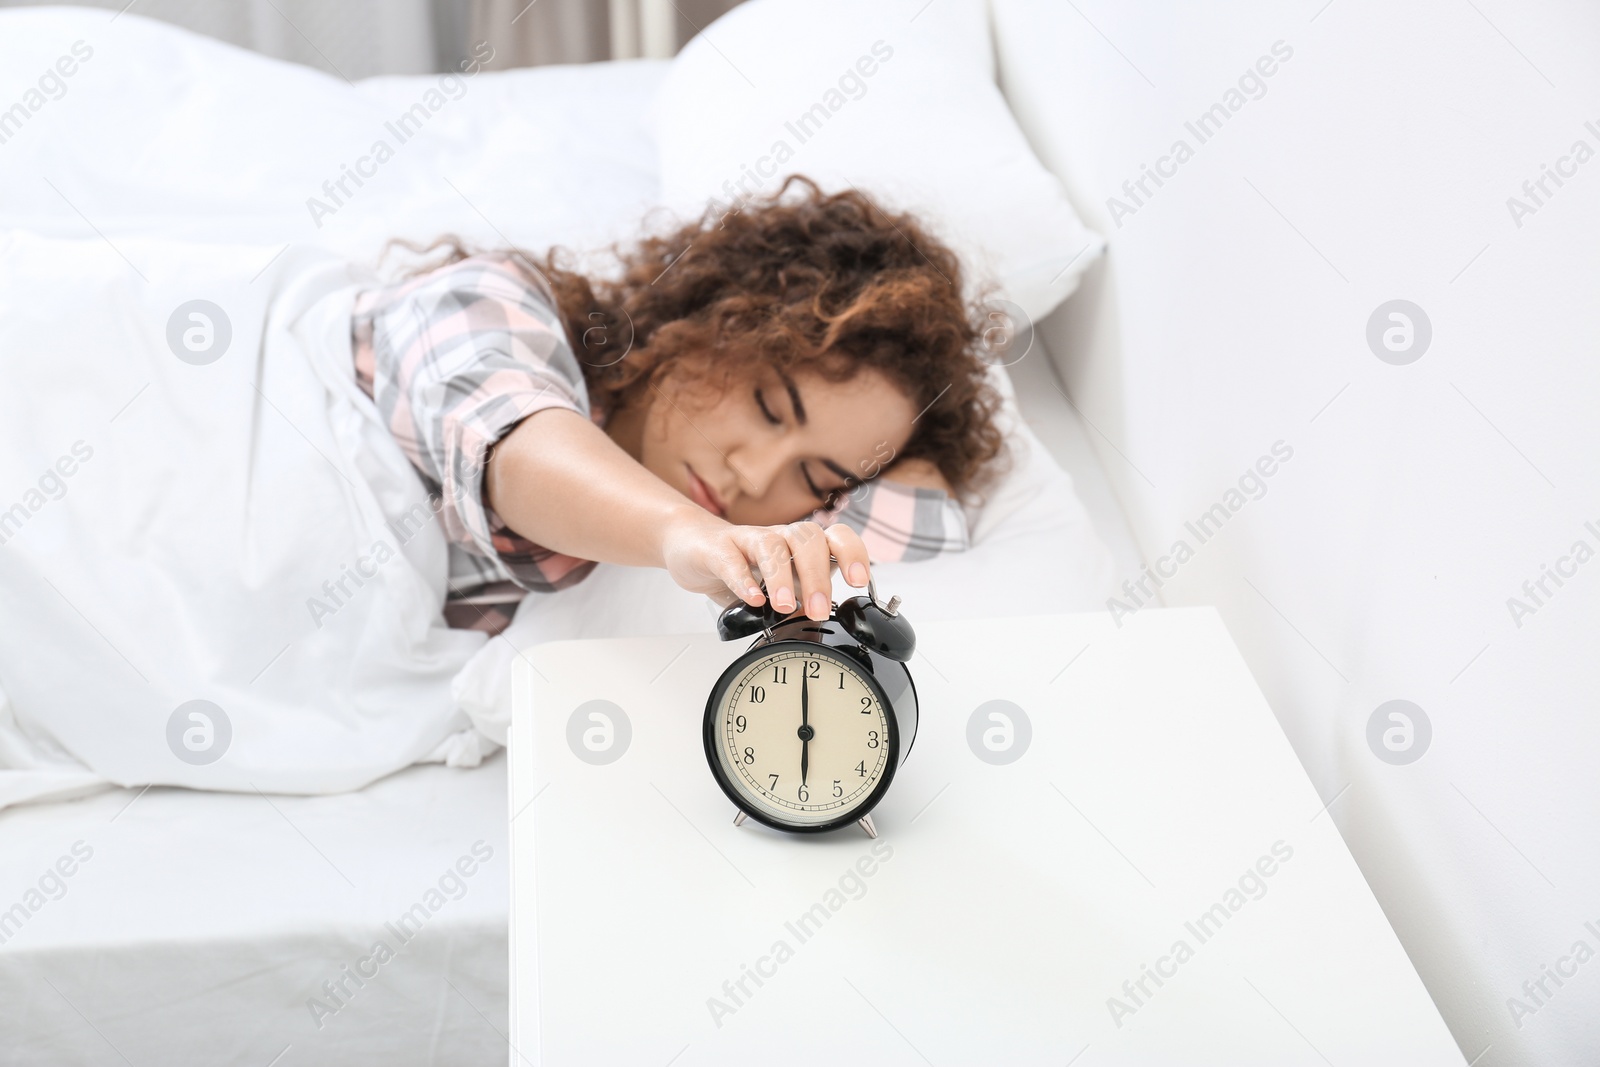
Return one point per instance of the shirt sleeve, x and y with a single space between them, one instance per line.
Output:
454 360
901 523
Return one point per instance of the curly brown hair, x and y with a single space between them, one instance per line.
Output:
827 282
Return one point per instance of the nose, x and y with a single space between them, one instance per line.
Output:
756 468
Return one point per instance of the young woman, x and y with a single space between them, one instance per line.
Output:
752 394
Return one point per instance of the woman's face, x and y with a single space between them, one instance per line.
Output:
774 450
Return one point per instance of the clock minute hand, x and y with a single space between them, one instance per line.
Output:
805 728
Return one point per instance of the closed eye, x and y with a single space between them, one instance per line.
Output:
761 402
828 496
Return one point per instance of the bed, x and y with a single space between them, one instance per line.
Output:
235 928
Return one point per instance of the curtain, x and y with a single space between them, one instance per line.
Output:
528 33
356 39
352 39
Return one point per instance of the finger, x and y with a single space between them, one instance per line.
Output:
851 552
770 551
809 547
724 599
734 570
725 577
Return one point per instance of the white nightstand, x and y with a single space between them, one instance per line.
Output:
1152 881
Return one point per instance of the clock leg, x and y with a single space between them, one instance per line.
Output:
738 820
865 822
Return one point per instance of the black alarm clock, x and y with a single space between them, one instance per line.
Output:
805 730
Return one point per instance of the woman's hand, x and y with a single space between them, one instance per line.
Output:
706 555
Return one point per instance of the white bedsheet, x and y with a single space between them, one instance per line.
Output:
201 926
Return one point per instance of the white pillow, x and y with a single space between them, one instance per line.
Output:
896 97
174 135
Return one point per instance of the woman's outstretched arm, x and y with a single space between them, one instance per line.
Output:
559 480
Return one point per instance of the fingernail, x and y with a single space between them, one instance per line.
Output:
753 593
817 606
783 599
858 574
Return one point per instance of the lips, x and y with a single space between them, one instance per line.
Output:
701 494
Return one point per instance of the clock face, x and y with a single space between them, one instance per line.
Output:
802 736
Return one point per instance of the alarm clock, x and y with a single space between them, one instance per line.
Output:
805 730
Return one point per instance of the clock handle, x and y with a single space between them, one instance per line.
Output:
892 608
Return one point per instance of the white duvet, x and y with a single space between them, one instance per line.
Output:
210 547
201 506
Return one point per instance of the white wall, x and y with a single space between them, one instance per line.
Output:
1231 314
